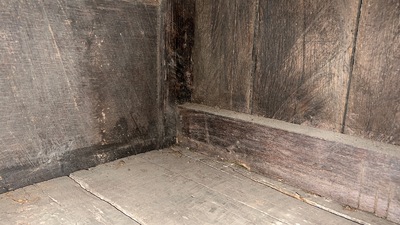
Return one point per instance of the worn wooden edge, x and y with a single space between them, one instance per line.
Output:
201 152
355 172
64 164
355 142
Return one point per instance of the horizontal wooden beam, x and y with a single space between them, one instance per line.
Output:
356 172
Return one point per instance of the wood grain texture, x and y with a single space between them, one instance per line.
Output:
374 101
179 44
74 75
223 53
303 59
59 201
171 188
355 172
176 43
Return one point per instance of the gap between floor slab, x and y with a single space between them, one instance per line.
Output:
98 196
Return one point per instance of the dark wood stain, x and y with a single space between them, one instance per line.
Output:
42 169
374 99
359 177
179 43
223 53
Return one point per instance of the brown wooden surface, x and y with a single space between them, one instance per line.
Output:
177 39
78 85
374 103
223 53
303 59
358 173
180 28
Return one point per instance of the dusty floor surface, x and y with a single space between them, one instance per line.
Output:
170 186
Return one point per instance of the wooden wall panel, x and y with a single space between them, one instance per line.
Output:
78 85
303 61
223 53
374 101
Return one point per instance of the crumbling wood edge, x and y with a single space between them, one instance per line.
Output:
357 173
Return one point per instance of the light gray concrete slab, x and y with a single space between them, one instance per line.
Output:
58 201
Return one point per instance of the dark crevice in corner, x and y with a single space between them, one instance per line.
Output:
352 62
180 42
254 56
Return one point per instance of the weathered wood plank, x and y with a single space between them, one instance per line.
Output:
356 172
374 101
59 201
74 75
303 59
199 151
169 188
223 53
253 194
179 44
176 43
156 195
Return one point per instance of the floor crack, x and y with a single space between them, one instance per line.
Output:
101 198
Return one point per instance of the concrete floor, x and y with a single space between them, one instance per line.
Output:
170 186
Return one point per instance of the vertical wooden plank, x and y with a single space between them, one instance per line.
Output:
77 86
223 53
303 59
179 44
374 100
178 29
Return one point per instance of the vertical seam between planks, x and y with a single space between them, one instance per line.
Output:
303 66
235 60
352 62
161 79
250 107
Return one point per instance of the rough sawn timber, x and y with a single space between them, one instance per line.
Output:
374 98
78 87
355 172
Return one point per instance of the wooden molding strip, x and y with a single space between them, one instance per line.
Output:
356 172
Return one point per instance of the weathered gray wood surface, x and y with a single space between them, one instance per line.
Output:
170 186
374 104
222 55
75 77
356 172
294 61
58 201
303 59
287 60
167 187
